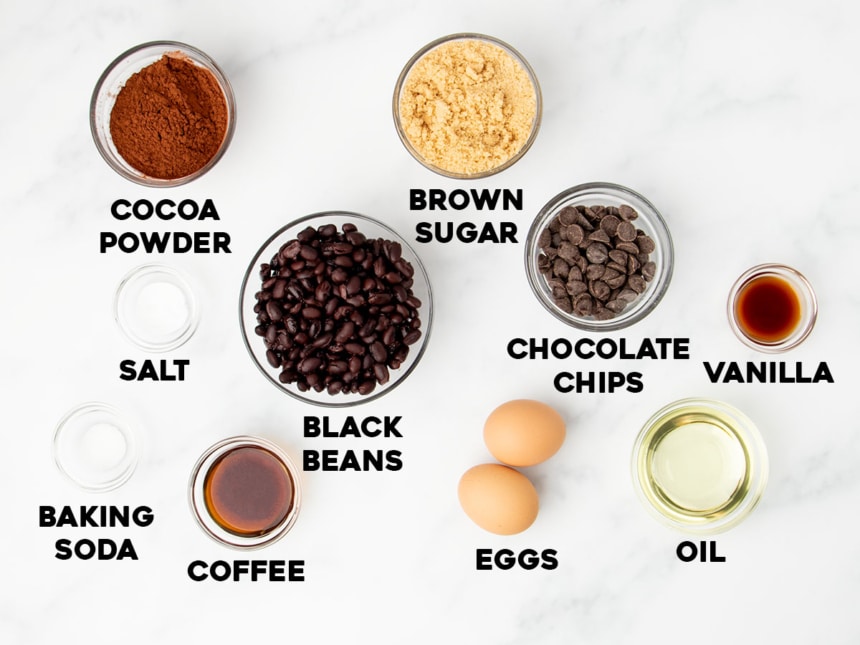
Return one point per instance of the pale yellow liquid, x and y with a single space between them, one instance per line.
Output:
698 466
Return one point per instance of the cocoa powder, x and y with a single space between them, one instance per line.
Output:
169 119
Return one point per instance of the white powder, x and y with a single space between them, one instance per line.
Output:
100 448
160 310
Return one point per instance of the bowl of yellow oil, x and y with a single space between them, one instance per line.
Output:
700 465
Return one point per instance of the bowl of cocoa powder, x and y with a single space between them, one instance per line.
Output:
336 309
162 114
599 256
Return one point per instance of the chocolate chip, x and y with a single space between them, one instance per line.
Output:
596 253
626 232
627 213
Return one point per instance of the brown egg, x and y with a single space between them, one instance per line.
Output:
498 499
524 432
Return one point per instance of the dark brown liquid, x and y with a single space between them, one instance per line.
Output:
248 491
768 309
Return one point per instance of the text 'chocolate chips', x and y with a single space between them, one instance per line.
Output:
336 310
595 260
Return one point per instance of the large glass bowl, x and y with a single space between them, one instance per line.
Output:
252 284
649 221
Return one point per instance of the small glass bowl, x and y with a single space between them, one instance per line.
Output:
649 221
737 434
112 81
252 283
200 509
94 447
510 51
155 308
805 297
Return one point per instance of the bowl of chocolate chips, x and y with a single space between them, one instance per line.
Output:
336 309
599 257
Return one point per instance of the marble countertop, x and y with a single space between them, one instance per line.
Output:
738 120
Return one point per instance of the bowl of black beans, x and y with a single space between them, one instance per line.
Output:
336 309
599 257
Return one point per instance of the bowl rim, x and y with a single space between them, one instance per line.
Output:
350 399
755 452
803 289
655 221
201 514
125 169
508 49
176 278
123 425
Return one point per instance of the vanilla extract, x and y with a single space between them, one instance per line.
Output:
766 372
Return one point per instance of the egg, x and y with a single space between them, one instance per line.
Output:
499 499
524 432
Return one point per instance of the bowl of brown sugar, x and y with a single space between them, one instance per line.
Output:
467 106
162 114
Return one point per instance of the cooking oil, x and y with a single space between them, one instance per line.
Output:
700 465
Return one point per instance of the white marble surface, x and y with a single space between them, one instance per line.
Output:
739 120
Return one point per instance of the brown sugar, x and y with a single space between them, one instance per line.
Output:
169 119
468 106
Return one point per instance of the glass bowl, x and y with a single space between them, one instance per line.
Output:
446 41
111 83
246 479
786 311
298 299
94 447
155 308
700 466
636 305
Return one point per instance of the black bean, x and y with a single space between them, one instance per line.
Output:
377 350
354 348
412 337
402 265
380 371
356 238
388 335
345 332
273 310
291 250
310 364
